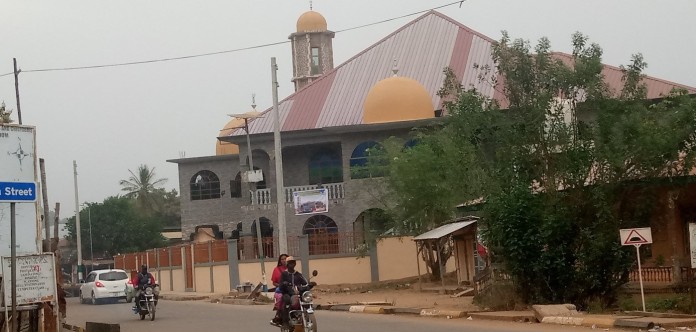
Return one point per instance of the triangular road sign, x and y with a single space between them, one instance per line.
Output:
635 238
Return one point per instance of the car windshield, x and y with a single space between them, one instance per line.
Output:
113 276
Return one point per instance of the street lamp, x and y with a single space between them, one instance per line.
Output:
89 218
253 114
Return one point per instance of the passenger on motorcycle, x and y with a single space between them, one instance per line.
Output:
142 280
292 283
278 294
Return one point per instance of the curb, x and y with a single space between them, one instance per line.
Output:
442 313
73 328
490 315
183 298
603 322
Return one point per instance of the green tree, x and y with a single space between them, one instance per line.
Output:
143 187
117 227
5 114
561 168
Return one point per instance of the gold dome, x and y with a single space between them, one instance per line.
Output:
397 99
222 148
311 21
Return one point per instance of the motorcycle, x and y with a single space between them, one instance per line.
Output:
300 311
148 302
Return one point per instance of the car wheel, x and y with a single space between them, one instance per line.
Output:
94 299
82 299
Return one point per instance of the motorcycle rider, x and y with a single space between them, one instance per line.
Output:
142 280
291 282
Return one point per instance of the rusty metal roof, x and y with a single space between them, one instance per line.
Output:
446 229
422 49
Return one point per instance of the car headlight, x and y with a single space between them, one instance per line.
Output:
307 296
148 291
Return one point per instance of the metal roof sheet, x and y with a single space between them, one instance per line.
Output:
422 49
443 230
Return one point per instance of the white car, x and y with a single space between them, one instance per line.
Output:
101 285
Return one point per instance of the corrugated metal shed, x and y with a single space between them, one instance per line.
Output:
422 49
443 230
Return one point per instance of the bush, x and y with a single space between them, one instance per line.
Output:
499 297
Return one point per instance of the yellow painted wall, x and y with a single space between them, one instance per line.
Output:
341 270
179 281
397 258
202 279
164 280
221 275
251 272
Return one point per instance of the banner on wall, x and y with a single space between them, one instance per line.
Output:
311 201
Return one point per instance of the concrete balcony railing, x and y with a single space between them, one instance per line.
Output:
336 190
263 196
260 196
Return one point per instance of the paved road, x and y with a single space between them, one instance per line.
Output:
175 316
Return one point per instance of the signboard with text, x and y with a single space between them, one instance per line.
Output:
692 244
36 278
17 192
18 163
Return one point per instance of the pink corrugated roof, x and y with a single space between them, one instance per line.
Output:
422 49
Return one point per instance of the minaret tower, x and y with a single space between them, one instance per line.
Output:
312 50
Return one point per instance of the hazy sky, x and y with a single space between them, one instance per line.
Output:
113 119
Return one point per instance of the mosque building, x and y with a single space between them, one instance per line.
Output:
335 115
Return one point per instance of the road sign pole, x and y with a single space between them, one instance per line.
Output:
13 262
640 276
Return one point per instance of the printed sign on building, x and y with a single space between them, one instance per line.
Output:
18 163
311 201
692 244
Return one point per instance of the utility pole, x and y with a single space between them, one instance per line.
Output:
77 227
278 156
16 75
56 218
44 194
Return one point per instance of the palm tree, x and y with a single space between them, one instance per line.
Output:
142 186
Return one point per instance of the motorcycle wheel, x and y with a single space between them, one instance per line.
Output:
151 309
313 320
142 316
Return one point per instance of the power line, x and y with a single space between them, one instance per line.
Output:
226 51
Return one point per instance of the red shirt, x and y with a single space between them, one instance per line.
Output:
275 277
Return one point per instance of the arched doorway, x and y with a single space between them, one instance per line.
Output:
370 224
266 237
322 234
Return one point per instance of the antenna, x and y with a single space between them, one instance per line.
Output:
253 101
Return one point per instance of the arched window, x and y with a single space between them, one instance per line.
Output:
364 153
323 235
236 186
205 185
325 167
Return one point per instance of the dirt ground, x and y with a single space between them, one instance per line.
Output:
401 293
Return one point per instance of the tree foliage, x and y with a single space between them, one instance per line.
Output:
116 227
561 167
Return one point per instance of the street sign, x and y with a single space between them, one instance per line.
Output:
36 278
636 236
17 192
